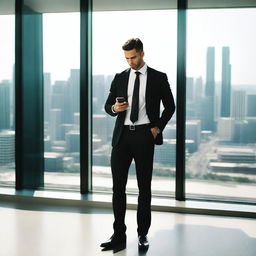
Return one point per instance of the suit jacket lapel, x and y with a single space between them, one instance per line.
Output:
148 87
126 80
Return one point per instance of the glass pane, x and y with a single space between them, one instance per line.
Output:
7 100
108 59
61 34
221 96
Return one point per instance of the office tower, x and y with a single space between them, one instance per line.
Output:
225 83
99 96
55 122
74 82
99 127
210 72
53 162
226 127
190 108
73 141
190 89
47 98
166 154
208 122
251 134
251 105
61 99
76 124
57 99
67 114
240 132
238 105
12 100
199 98
5 105
7 147
64 129
193 132
199 88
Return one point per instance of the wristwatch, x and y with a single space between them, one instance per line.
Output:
157 130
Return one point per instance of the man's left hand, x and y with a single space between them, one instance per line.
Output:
154 131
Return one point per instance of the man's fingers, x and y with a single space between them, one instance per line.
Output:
119 107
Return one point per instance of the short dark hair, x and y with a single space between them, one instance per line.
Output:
133 43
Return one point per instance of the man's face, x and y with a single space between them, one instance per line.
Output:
134 59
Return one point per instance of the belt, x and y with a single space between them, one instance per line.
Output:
136 127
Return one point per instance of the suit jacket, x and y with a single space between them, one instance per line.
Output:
157 91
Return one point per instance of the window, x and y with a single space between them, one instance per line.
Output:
7 100
61 34
221 94
110 31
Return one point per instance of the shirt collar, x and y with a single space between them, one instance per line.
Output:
142 70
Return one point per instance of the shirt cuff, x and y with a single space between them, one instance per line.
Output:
112 108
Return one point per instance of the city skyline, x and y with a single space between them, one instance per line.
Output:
209 155
215 33
220 106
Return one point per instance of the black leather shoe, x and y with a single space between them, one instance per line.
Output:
114 241
143 243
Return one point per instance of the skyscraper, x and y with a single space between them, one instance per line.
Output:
225 83
7 147
47 98
5 105
251 105
55 122
208 120
74 81
190 89
238 105
210 72
199 88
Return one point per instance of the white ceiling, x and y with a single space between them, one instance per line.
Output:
46 6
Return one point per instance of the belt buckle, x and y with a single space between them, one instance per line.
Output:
132 127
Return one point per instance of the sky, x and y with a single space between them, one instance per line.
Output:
158 31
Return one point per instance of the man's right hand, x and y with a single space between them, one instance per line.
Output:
120 107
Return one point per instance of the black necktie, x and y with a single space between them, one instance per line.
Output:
135 99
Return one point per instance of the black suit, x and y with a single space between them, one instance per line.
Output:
137 145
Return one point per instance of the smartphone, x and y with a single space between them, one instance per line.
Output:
120 99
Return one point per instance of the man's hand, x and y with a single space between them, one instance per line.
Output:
120 107
155 131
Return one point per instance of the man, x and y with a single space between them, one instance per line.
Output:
134 98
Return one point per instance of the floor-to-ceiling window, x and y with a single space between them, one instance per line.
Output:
110 30
61 51
7 100
221 104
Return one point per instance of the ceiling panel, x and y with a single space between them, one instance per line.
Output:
53 6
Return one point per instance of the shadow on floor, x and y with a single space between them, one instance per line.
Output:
53 207
196 240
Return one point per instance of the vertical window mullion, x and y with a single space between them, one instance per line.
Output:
29 137
85 95
181 101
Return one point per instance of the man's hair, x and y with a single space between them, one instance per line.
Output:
133 43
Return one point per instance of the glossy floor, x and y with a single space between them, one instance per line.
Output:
40 230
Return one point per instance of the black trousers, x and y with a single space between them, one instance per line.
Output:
137 145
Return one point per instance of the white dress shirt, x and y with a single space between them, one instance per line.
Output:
143 118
